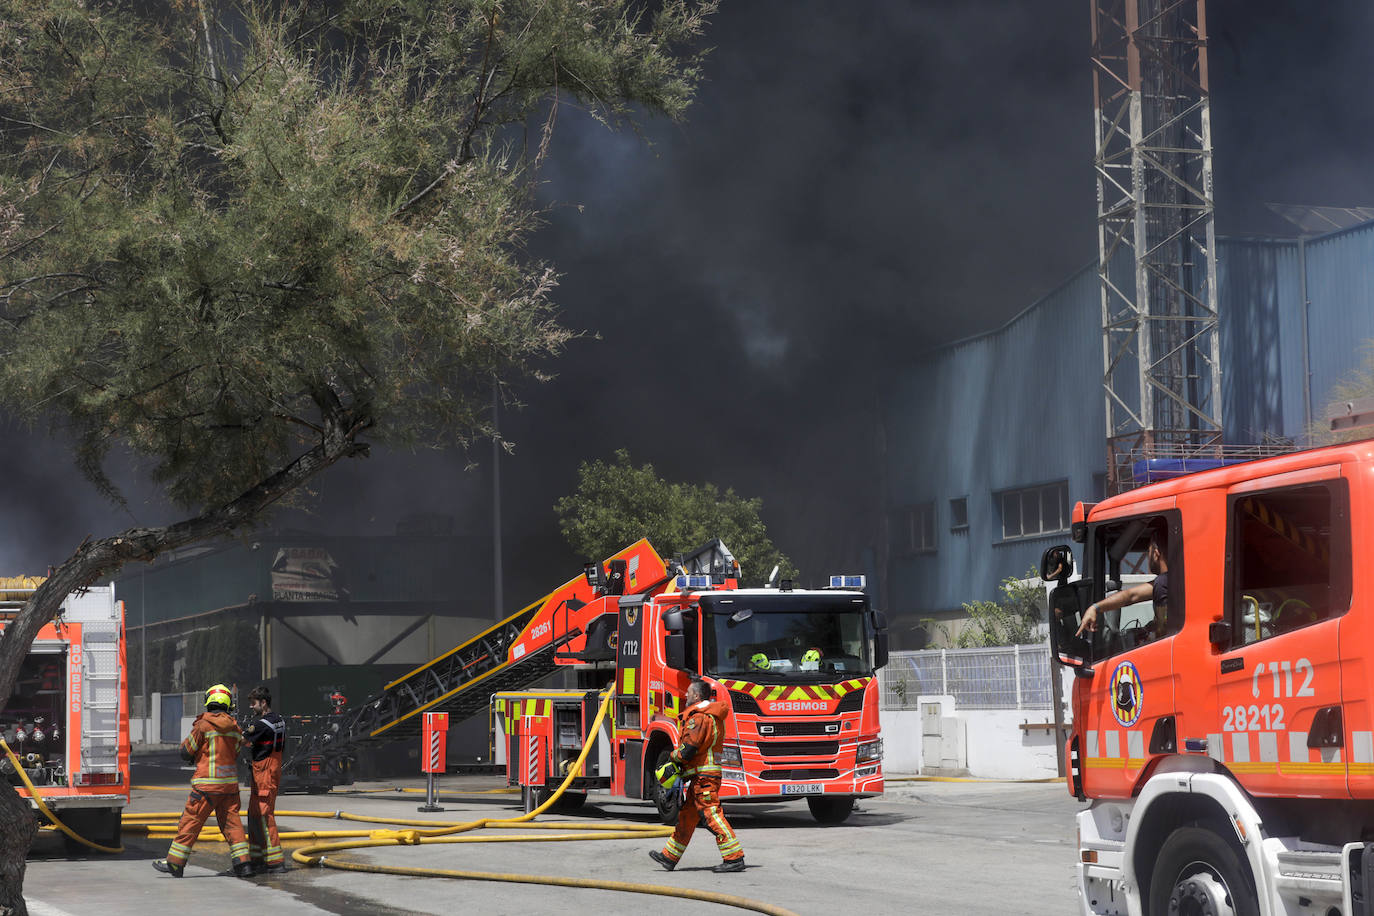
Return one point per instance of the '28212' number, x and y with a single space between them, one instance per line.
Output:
1253 718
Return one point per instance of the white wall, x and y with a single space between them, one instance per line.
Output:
997 747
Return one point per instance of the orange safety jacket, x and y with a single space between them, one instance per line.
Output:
213 746
702 730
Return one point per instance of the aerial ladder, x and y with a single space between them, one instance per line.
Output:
565 627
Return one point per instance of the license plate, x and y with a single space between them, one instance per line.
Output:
806 788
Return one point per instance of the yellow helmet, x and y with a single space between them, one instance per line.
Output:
760 661
811 655
219 695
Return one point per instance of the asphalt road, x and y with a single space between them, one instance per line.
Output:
924 847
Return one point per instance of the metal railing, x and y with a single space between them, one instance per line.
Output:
1004 677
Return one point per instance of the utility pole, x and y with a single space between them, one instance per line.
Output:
1156 233
497 574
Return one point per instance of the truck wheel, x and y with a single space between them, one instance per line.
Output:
1200 873
830 809
667 801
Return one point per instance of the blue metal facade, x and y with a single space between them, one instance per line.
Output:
1023 406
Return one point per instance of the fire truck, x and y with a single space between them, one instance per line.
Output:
797 667
1223 715
68 719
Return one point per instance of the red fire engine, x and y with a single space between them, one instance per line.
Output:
1223 730
68 720
797 667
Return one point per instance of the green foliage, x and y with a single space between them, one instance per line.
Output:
1356 386
617 503
228 232
1008 622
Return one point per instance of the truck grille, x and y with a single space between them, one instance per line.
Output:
801 774
792 729
744 703
799 748
851 702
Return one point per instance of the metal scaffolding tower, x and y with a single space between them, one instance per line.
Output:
1156 235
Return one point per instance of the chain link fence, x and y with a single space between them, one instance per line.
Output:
1004 677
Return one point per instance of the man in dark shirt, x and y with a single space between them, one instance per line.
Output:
1156 592
266 739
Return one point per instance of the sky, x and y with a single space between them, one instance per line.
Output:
859 181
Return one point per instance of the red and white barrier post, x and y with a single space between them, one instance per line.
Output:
433 754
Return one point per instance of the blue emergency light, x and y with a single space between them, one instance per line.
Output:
694 581
848 581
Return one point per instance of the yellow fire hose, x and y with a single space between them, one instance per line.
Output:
47 812
341 840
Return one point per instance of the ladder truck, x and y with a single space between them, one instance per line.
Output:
1223 731
796 666
68 720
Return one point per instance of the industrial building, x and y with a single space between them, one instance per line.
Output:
991 439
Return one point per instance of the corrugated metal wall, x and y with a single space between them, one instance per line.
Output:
1024 404
1340 286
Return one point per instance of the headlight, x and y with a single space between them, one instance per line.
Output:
873 750
730 756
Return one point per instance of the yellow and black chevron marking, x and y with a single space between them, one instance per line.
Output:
1286 529
515 710
772 692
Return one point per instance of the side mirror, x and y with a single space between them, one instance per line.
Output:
1219 634
1066 609
1056 564
879 650
672 620
675 651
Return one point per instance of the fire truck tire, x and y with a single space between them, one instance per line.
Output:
830 809
1199 872
667 801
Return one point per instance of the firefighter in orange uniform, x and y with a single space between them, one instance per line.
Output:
266 739
213 746
697 757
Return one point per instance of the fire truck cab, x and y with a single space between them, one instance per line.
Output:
1223 724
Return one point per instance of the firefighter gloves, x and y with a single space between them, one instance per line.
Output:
667 775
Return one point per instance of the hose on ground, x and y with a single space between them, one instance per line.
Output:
46 811
341 840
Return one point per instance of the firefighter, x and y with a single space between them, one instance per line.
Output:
266 739
213 746
1156 591
697 757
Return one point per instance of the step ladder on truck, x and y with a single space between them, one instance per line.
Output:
796 666
68 719
1223 726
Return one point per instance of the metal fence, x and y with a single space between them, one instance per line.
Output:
1005 677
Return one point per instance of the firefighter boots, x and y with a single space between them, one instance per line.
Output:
667 863
244 870
729 865
169 868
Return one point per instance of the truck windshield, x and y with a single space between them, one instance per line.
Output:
786 637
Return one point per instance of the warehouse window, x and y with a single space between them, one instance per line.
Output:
920 528
958 513
1033 511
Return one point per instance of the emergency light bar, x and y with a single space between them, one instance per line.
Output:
848 581
694 581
